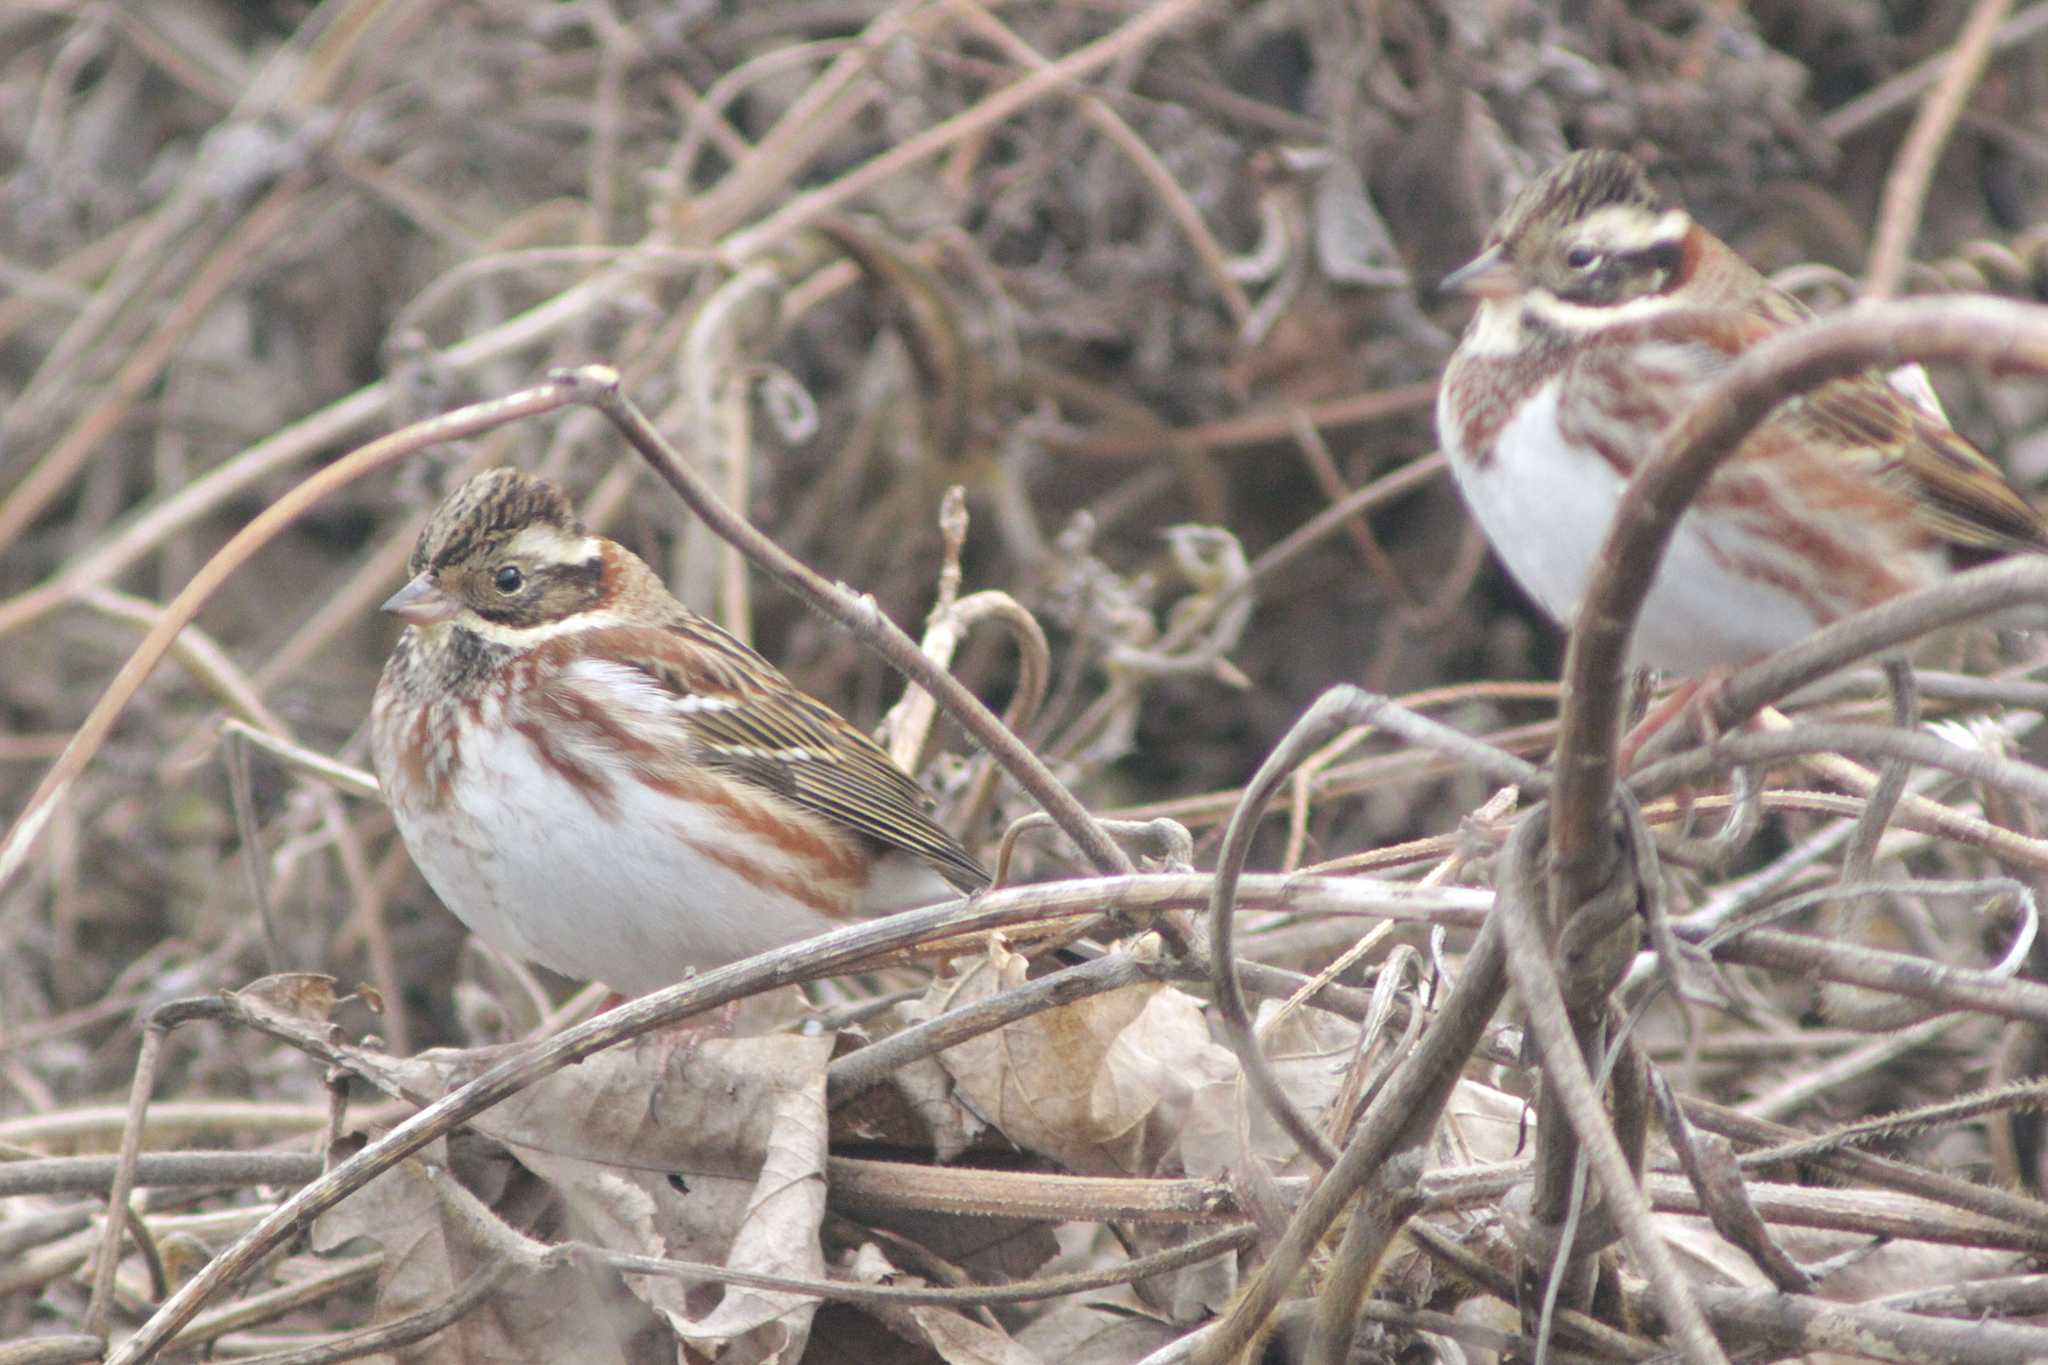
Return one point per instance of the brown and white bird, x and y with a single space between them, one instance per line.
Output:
1603 313
597 779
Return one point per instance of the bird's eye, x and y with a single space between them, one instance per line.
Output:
1581 257
508 579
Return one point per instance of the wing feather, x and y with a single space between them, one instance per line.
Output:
1960 494
738 714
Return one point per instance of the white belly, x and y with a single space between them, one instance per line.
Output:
527 863
1546 506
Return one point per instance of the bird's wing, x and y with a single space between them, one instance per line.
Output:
1959 494
740 716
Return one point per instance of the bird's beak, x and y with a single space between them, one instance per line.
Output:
421 603
1489 275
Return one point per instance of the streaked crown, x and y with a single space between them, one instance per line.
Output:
504 553
1592 231
485 509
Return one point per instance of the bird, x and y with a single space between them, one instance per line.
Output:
1603 313
595 778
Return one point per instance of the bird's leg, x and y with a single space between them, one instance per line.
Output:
1696 699
1658 716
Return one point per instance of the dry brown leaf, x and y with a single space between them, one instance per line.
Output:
1102 1329
984 1250
296 998
1101 1086
1308 1050
683 1147
926 1090
844 1335
953 1336
1482 1125
435 1235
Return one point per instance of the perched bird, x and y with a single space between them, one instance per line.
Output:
1603 314
597 779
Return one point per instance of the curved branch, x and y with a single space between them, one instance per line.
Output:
1905 188
1988 332
1518 916
600 387
1965 597
229 559
1334 711
1865 742
1034 676
1401 1116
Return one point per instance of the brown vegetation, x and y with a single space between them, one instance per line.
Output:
1148 281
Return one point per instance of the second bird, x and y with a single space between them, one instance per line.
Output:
1603 314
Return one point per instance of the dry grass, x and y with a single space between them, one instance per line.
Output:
1111 269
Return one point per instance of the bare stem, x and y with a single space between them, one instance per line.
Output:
1989 332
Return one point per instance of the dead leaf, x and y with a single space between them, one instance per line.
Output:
687 1148
1100 1086
1105 1329
958 1339
435 1235
289 998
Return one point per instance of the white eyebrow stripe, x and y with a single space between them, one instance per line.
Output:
552 544
1624 227
1671 226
